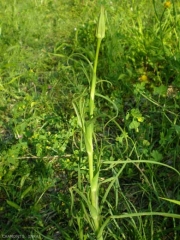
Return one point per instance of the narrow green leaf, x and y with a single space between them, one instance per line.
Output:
114 163
129 215
23 179
26 192
14 205
77 114
14 79
171 200
111 102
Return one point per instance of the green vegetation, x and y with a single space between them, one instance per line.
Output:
89 119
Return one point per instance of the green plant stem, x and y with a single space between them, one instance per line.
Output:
89 146
90 124
93 84
88 136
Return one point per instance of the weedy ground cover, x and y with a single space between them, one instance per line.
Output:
129 132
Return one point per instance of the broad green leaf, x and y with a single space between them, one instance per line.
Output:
136 113
146 143
161 90
123 136
127 116
157 156
134 125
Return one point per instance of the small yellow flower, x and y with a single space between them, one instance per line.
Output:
167 4
143 78
140 119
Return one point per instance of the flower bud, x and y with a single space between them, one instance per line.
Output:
100 31
167 4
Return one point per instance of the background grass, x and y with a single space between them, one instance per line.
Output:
47 49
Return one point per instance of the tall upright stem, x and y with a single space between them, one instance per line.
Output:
90 126
89 130
93 83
